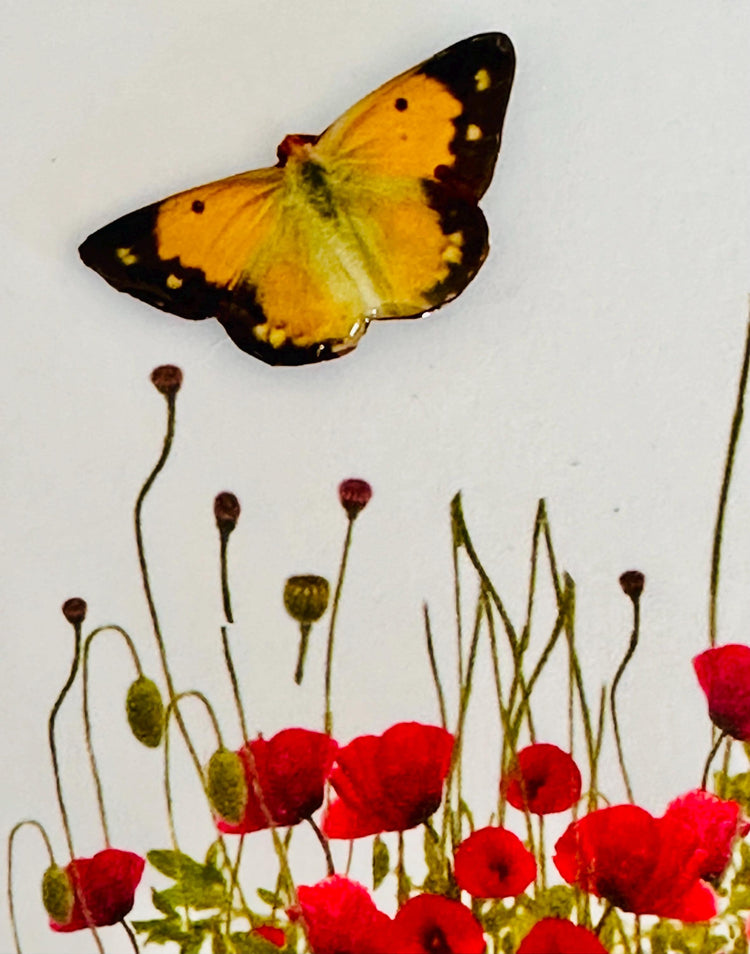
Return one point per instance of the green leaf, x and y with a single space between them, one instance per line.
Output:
270 898
197 886
381 861
161 902
161 931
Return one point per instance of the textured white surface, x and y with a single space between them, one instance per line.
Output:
593 362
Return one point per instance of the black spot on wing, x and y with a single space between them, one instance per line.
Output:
401 104
484 99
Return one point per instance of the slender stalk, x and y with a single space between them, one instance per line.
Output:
131 936
158 467
734 435
9 887
613 692
51 735
235 682
87 718
714 749
225 593
323 843
433 666
328 718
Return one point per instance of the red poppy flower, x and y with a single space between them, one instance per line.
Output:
432 924
493 863
291 770
717 824
555 936
389 782
640 863
341 918
545 779
724 675
104 888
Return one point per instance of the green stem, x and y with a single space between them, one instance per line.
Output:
612 695
11 837
51 735
724 494
304 638
328 718
235 683
433 667
323 843
225 593
714 749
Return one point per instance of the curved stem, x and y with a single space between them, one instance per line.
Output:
225 593
323 843
11 837
130 935
87 719
235 682
433 667
724 494
328 718
615 682
168 437
51 735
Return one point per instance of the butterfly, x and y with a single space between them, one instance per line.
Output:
375 218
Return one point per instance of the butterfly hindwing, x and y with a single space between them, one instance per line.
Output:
375 218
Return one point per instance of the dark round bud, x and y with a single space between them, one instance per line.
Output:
632 582
227 785
145 711
57 894
167 379
354 494
306 598
226 511
74 610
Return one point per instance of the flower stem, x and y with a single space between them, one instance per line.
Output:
734 435
226 596
433 666
328 718
613 692
11 837
714 749
304 637
323 843
235 683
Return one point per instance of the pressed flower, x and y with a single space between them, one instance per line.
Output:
340 917
226 511
717 823
74 610
493 863
354 494
556 936
103 888
167 379
432 924
724 676
544 779
291 769
389 782
640 863
632 583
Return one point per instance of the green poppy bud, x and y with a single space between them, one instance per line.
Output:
145 711
227 785
306 598
57 894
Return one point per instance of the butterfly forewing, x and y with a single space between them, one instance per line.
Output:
375 218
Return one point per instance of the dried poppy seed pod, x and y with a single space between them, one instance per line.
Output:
632 582
227 785
167 379
227 511
306 598
57 894
74 610
354 494
145 711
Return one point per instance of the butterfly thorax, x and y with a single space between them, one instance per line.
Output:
306 174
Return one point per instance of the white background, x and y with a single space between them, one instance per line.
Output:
593 362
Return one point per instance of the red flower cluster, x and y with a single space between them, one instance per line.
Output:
717 824
555 936
544 780
640 863
103 887
291 770
493 863
390 782
724 676
340 917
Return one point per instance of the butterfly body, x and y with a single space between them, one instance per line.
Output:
375 218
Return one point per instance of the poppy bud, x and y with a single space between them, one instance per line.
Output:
74 610
167 379
227 785
354 494
226 511
145 711
306 598
632 582
57 894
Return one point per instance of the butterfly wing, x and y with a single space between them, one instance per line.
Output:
376 218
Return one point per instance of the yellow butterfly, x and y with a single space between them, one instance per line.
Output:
375 218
